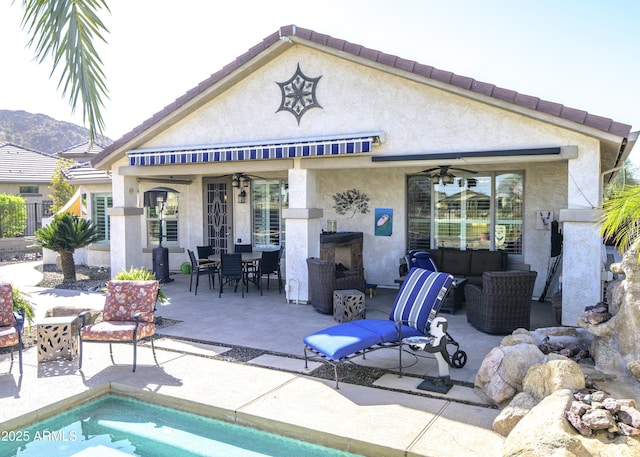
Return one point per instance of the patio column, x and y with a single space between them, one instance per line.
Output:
303 232
582 244
126 248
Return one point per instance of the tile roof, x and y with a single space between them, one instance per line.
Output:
293 32
22 165
84 173
83 151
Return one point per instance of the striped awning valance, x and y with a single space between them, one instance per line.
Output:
317 147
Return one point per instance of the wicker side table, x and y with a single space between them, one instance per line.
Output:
348 305
57 338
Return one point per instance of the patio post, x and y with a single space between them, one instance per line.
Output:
303 232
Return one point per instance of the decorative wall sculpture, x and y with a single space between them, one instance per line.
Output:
352 201
299 94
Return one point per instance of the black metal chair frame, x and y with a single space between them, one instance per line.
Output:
231 269
200 269
270 263
134 341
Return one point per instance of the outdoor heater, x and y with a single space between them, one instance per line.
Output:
157 197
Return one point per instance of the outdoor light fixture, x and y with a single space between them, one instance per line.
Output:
242 196
241 181
447 179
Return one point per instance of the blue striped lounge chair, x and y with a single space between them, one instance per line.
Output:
415 307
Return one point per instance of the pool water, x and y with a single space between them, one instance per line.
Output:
117 426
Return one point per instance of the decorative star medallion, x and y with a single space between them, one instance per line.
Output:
299 94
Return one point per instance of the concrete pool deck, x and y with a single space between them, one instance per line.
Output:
269 388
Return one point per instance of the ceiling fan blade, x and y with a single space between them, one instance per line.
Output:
463 169
429 170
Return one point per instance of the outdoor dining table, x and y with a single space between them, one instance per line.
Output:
249 259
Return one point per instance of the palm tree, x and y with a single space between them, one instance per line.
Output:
621 217
64 235
65 31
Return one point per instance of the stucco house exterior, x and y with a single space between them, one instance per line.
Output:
28 173
267 149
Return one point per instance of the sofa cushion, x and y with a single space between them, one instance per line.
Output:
482 261
437 257
456 262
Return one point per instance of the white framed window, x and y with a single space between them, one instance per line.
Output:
268 198
100 217
165 223
483 211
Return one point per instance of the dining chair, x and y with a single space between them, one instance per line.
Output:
203 254
270 264
243 248
201 269
250 268
231 270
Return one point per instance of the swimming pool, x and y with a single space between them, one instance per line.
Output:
117 426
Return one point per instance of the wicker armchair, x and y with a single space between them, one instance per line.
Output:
323 281
503 303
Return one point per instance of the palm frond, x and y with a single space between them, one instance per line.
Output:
66 30
621 218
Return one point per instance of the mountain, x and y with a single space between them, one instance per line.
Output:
40 132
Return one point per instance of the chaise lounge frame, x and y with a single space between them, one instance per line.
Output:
412 314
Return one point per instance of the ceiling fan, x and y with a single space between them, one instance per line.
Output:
443 172
240 179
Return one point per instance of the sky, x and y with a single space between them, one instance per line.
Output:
580 53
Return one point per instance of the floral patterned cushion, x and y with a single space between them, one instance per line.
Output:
8 337
6 305
115 331
126 298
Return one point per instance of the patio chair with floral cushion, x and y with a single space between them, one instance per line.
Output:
128 317
11 323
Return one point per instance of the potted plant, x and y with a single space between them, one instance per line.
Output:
22 305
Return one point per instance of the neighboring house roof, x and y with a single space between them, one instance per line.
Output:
291 34
84 173
82 152
22 165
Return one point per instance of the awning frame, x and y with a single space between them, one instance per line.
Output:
278 149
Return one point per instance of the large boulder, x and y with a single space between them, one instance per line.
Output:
545 431
544 379
502 371
616 342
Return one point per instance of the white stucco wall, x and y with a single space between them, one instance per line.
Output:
414 119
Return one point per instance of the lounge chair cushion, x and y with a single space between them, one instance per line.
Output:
416 305
343 339
419 298
126 298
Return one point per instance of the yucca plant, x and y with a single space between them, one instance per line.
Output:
142 274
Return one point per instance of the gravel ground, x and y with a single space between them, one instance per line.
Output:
87 278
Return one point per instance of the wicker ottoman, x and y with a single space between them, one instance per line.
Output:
348 305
